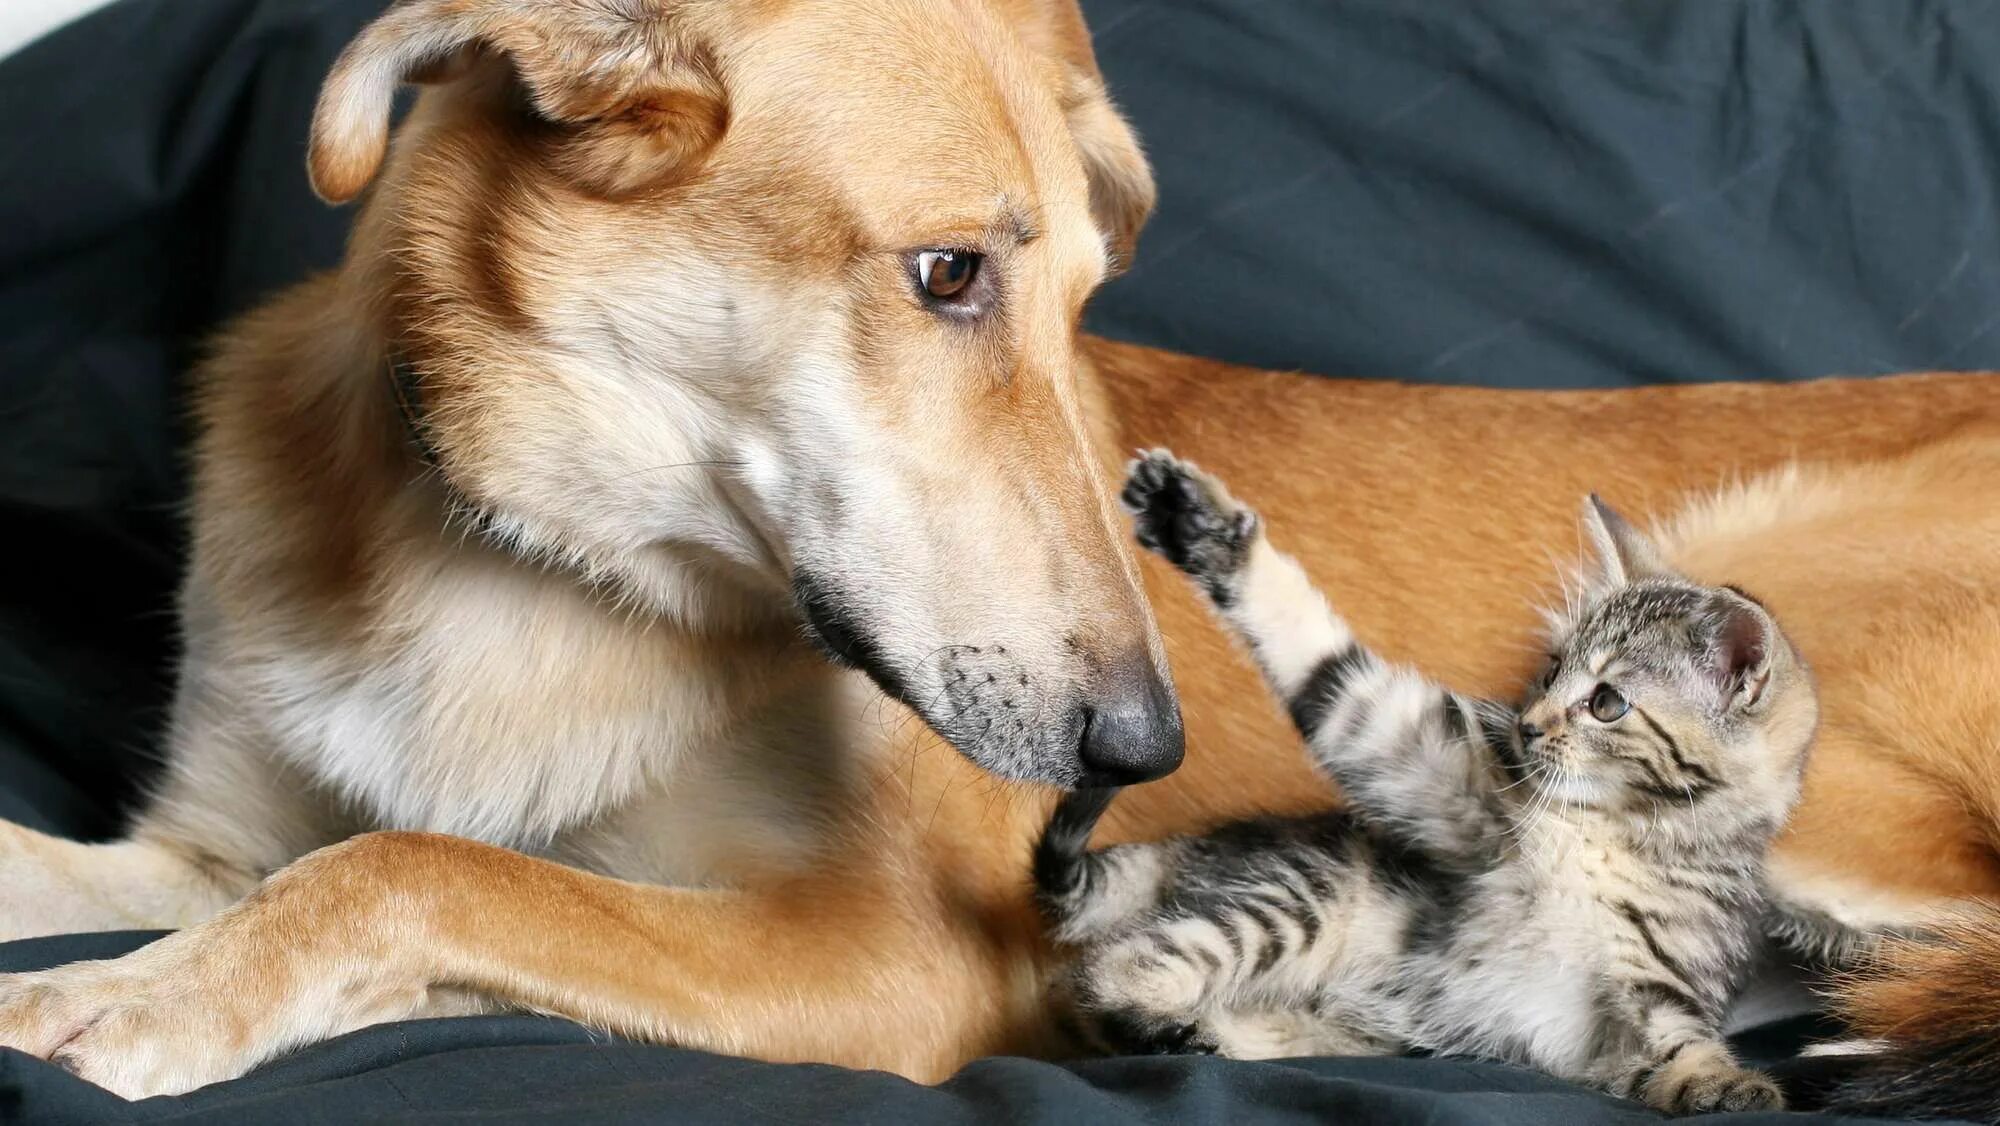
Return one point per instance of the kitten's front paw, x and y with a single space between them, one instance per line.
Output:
1188 518
1718 1086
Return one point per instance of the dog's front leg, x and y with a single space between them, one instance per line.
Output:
823 968
49 885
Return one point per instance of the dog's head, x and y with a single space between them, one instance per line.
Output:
742 304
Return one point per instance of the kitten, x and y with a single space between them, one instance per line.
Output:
1572 884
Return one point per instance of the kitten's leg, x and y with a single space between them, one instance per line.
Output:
1286 1033
1683 1066
1147 991
1820 937
1701 1077
1188 518
1119 884
1410 753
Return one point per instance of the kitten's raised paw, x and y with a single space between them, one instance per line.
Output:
1720 1089
1188 518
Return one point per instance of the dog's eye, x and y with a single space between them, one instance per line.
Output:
1607 706
945 275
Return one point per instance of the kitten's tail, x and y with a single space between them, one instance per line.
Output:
1063 869
1930 1007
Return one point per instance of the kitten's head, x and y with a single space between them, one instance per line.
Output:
1665 698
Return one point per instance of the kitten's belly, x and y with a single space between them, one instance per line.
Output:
1520 989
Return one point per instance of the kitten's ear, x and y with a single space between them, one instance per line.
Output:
1624 553
1740 655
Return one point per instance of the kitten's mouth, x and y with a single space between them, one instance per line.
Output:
1544 767
1525 758
1573 788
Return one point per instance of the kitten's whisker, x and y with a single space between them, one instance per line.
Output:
1538 811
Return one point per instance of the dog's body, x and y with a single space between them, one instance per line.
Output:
506 531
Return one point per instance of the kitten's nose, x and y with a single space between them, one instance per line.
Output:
1536 722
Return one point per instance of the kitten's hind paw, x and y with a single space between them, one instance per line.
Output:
1188 518
1720 1088
1127 1034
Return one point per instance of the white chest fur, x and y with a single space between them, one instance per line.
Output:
1542 962
500 702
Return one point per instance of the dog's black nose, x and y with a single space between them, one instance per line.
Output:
1131 731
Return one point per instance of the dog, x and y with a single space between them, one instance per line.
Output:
647 581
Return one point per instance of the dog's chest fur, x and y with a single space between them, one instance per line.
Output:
509 704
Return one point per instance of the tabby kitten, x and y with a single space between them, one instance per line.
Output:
1572 884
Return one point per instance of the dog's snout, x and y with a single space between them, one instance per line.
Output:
1132 730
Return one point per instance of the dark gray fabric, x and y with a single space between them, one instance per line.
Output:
1568 192
152 184
1536 193
526 1069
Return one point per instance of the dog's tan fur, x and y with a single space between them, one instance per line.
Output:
637 312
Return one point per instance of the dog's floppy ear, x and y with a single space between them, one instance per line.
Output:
638 100
1121 182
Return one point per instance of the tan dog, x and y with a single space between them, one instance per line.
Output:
670 325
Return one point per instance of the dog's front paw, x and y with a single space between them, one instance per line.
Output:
131 1025
1188 518
1713 1086
198 1006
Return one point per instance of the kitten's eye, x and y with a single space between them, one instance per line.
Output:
1549 674
944 275
1607 706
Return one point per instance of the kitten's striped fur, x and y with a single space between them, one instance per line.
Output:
1535 884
